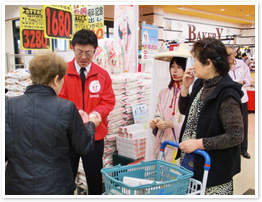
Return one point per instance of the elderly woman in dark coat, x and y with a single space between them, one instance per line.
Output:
40 129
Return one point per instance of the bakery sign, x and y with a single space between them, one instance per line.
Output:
195 34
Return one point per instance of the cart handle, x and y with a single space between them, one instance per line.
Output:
197 151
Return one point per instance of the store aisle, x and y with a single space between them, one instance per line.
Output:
245 180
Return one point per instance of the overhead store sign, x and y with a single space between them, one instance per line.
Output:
195 34
32 29
58 21
95 20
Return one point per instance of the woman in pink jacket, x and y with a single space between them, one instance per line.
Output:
167 122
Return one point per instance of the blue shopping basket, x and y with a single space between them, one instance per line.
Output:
169 178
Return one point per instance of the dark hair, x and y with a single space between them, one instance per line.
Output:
179 61
244 54
85 37
214 50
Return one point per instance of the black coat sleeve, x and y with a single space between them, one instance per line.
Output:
82 136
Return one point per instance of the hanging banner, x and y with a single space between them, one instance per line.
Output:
32 29
58 21
149 42
126 34
81 22
95 18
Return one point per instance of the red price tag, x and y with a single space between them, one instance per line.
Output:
34 39
58 23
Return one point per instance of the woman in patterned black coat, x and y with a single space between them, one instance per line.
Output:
213 116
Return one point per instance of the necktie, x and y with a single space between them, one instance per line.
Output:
83 77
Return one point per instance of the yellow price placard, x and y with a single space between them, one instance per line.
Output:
32 29
58 21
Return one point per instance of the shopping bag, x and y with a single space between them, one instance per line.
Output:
188 161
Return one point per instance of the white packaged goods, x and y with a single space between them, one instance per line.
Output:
19 74
116 111
132 181
120 97
131 141
111 137
118 79
130 128
16 82
114 130
130 89
117 118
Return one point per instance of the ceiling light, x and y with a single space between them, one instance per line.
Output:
210 13
222 9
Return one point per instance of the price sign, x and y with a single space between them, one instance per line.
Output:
95 20
81 22
58 22
139 112
32 29
99 33
34 39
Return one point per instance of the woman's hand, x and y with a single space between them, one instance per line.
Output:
191 145
188 79
153 123
164 125
84 116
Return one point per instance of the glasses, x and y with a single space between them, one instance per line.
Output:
87 54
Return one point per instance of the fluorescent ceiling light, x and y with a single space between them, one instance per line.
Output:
210 13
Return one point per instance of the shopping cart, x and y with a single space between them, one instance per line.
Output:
166 178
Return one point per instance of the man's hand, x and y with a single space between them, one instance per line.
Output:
95 117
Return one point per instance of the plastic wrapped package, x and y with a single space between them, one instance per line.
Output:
116 119
117 111
117 124
19 74
118 86
111 137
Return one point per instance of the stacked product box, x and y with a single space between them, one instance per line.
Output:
131 141
130 89
137 92
116 119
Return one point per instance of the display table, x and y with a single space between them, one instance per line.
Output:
251 99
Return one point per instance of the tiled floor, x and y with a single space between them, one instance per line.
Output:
246 178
